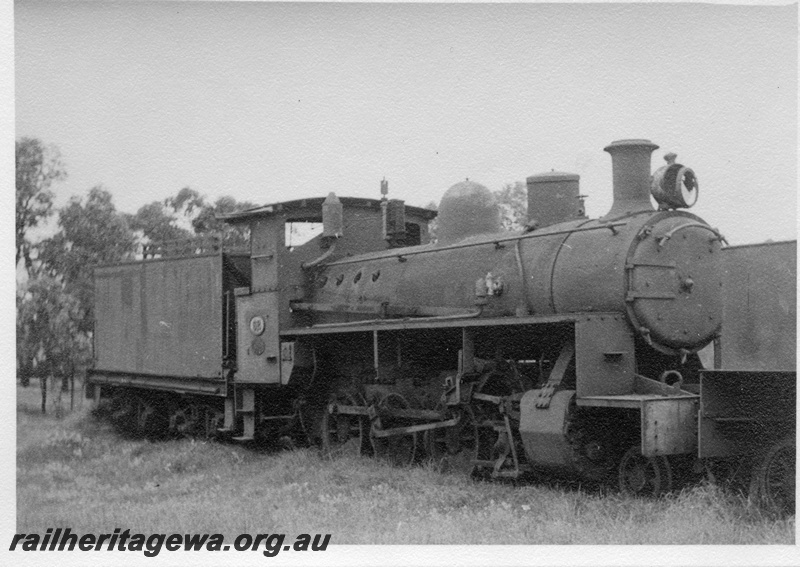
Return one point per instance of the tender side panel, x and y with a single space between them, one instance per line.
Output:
160 318
760 308
741 411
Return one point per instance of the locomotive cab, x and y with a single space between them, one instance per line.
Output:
286 239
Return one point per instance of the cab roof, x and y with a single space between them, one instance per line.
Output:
315 203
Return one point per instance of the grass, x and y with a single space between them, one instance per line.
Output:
76 472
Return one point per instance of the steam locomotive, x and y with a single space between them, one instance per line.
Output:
577 347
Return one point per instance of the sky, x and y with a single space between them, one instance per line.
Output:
268 102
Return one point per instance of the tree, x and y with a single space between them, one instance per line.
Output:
50 341
433 225
160 221
37 167
513 202
55 308
186 201
164 220
27 346
157 223
206 222
92 233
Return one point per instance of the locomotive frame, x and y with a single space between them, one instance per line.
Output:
498 354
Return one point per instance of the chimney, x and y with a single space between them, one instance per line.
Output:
630 161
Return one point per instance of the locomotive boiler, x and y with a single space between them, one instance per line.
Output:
660 269
568 347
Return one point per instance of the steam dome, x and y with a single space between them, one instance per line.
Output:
467 209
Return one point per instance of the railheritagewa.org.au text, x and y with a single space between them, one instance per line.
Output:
63 539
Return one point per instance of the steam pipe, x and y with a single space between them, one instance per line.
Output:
316 262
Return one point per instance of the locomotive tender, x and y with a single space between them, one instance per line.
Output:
570 347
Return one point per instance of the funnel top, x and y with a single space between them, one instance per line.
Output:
631 143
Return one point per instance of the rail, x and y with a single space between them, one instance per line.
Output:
182 247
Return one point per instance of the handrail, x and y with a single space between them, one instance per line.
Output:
466 315
497 242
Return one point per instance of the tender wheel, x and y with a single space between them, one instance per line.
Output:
213 420
397 449
342 434
123 410
644 476
667 477
454 448
145 423
773 480
184 420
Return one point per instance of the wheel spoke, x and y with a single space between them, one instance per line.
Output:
644 476
454 448
213 419
397 449
342 433
773 480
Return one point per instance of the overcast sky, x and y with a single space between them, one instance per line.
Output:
268 102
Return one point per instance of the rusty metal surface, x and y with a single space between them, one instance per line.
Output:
568 268
445 277
740 409
609 272
630 164
542 429
430 323
674 283
467 209
765 396
760 307
629 401
554 198
605 364
669 426
182 384
258 347
315 204
161 318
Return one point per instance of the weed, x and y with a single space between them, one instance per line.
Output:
77 472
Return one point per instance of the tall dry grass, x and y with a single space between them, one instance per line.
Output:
76 472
